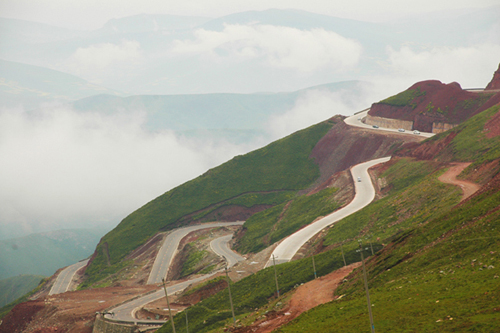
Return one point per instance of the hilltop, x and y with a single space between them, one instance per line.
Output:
428 106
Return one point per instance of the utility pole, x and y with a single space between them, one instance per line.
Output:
371 245
276 277
168 304
230 298
314 268
343 257
372 326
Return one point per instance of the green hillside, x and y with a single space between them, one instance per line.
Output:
14 287
439 266
282 166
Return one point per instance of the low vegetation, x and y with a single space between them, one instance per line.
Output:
405 98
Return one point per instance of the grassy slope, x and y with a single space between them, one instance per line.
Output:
441 273
16 286
283 165
404 98
414 271
256 290
271 225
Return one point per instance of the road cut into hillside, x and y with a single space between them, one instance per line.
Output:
450 177
125 313
66 277
169 249
365 193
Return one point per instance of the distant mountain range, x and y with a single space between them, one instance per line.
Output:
14 287
142 54
29 85
44 253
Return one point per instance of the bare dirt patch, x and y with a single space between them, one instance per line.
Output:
68 312
450 177
306 297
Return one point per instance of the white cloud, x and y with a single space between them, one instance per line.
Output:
281 47
472 67
318 105
62 169
95 61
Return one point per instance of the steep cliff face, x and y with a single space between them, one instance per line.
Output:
495 82
431 105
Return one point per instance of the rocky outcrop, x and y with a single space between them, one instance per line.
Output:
495 82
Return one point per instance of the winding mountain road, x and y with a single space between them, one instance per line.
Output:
221 247
169 249
365 193
126 311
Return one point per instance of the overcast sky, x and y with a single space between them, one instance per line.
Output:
92 14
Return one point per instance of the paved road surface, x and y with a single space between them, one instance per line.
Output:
353 121
65 277
125 312
221 247
169 249
365 193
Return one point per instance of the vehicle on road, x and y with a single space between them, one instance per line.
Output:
375 126
401 130
359 179
416 132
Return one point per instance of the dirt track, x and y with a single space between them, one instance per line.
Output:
449 177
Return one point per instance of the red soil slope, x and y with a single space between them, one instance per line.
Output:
495 82
306 297
439 102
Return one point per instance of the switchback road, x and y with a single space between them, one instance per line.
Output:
126 311
169 249
365 193
221 247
